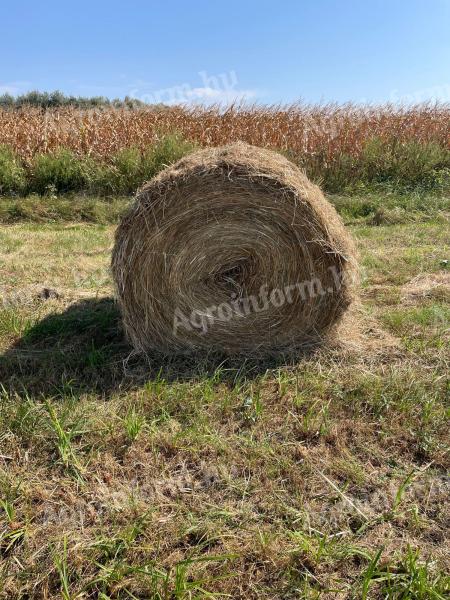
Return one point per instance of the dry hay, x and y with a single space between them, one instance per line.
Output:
427 285
232 249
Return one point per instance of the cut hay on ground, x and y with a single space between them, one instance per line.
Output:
232 249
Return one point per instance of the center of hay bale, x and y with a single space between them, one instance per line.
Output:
233 277
232 249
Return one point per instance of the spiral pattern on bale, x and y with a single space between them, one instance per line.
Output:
231 249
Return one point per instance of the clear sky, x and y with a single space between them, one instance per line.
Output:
275 51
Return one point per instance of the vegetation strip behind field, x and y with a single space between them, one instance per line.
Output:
370 207
345 149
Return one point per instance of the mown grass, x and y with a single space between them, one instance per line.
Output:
321 476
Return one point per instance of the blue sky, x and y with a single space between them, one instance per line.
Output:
199 51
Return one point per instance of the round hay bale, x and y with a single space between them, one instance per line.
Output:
231 249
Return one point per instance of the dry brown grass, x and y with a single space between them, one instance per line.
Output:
168 480
321 131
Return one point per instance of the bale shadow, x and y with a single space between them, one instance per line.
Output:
84 350
79 349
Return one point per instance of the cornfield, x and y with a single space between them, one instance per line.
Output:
325 131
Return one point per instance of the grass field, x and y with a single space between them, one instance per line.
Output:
319 477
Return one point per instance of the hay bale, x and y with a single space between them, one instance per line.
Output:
231 249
